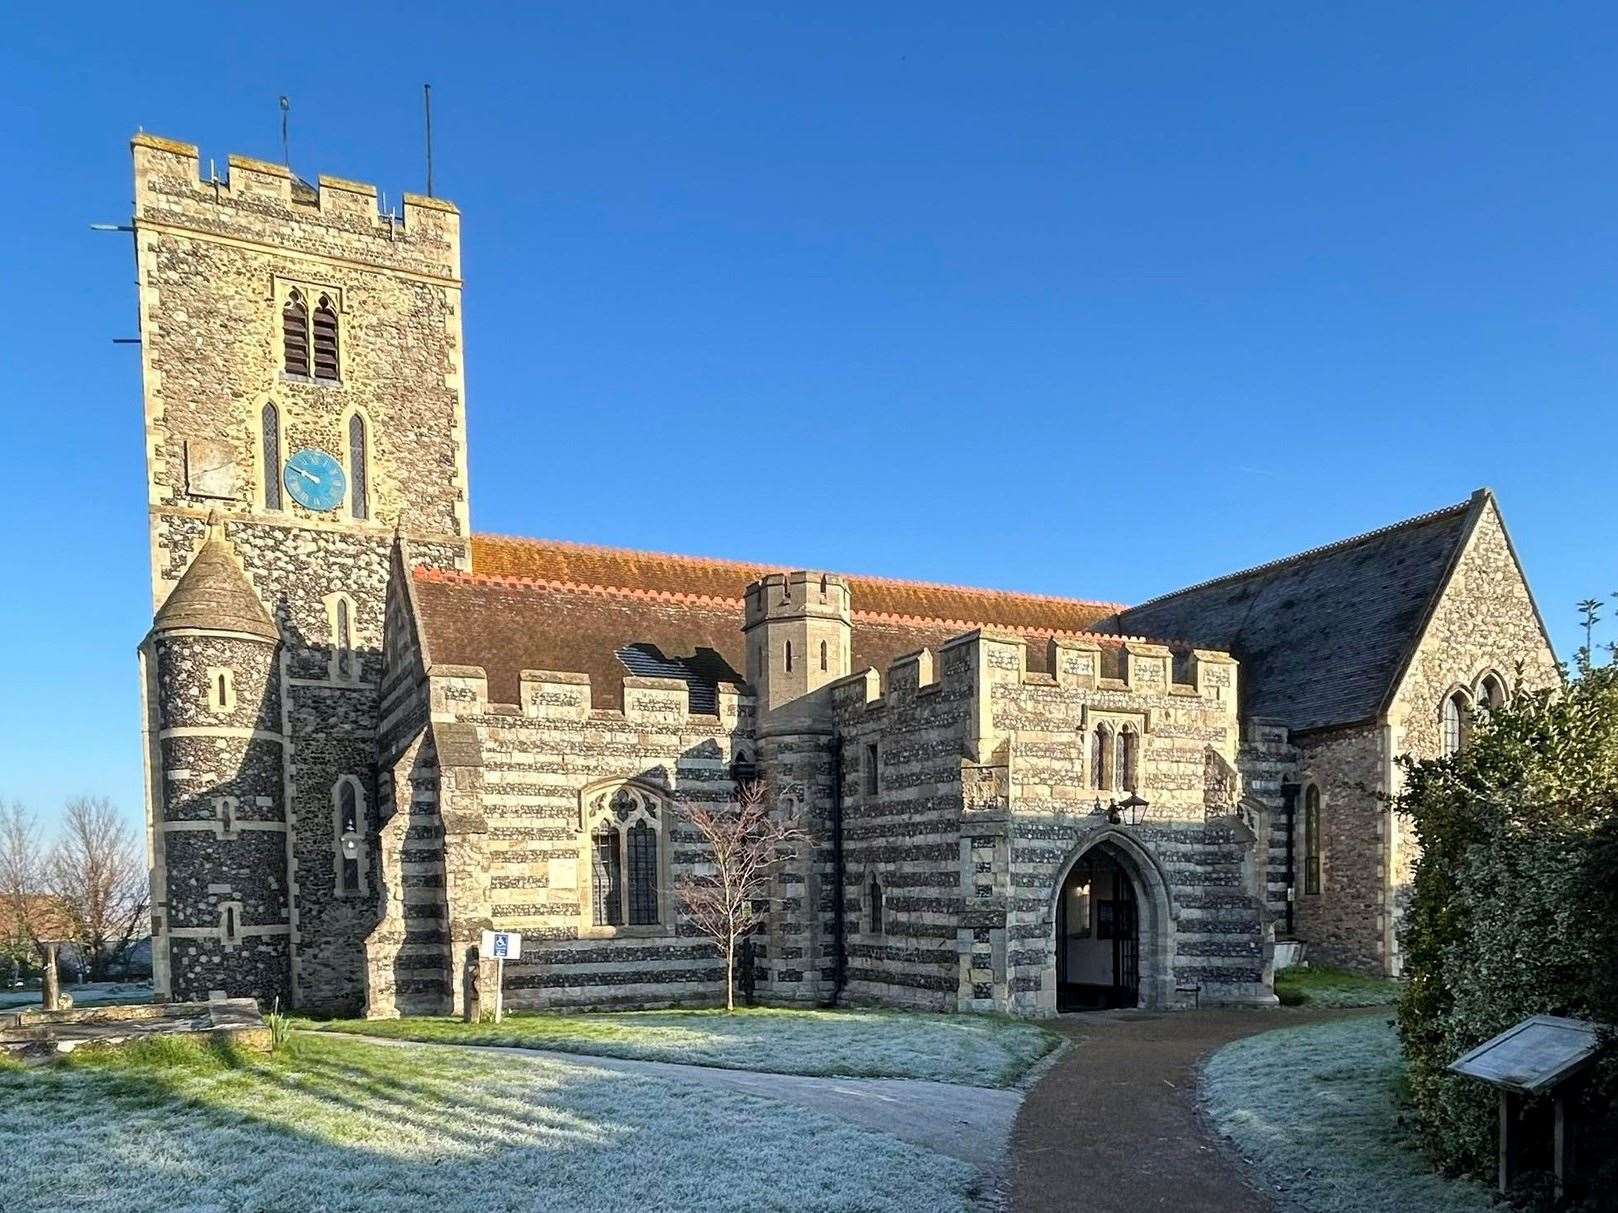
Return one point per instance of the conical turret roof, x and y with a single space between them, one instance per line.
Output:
214 593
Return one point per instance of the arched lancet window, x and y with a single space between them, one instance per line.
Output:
1128 758
295 335
824 658
348 818
606 882
1453 722
1491 692
789 656
626 844
358 486
1101 758
877 924
271 420
1311 839
345 640
325 339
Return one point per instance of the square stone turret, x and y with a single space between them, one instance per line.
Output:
799 633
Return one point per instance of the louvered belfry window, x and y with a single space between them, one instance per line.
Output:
295 335
272 457
357 457
605 877
325 343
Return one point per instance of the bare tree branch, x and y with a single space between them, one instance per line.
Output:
22 862
747 842
97 876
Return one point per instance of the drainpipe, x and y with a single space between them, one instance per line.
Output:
839 912
1289 795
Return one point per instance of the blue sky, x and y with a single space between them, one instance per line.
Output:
1068 298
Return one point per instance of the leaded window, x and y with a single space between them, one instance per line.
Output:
348 815
1453 722
606 879
1311 839
625 824
641 846
1101 759
1128 759
357 467
345 641
271 420
295 335
325 339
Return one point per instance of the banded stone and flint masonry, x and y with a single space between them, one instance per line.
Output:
371 734
217 263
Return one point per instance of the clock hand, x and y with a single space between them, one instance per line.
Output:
304 474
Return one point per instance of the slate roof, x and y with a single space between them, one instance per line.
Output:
214 593
1322 636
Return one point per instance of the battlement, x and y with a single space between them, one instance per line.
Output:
983 657
797 595
261 202
459 692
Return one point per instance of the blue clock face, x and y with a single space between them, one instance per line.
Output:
315 479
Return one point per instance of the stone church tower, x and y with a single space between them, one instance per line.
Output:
303 383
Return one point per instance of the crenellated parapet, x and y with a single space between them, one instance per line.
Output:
335 217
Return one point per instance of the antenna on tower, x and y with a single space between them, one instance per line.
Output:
427 105
286 154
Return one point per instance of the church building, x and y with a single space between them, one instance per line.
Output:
371 733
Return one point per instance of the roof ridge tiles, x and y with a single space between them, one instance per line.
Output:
761 566
459 577
1310 553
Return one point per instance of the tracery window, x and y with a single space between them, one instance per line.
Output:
295 334
1491 692
271 423
1453 722
625 824
1311 839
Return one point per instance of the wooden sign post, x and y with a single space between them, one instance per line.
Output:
1540 1056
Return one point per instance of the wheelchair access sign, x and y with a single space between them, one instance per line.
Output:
502 945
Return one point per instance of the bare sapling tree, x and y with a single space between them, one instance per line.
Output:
747 842
97 876
22 884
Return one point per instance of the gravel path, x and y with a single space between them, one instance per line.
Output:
1114 1128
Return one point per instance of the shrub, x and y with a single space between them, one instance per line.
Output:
1514 911
280 1026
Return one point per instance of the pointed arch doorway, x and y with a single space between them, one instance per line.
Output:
1098 927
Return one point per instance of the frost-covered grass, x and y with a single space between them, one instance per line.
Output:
978 1050
1323 986
1317 1110
171 1126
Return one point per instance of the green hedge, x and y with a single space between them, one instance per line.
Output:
1514 910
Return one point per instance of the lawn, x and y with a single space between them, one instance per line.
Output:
977 1050
1316 1110
329 1124
1321 986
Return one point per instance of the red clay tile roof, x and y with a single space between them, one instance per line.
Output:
725 580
